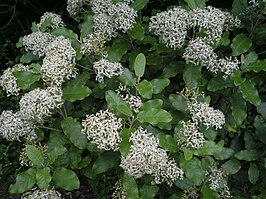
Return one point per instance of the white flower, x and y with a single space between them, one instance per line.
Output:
94 43
9 82
37 42
59 62
14 125
56 20
145 157
102 129
105 25
171 25
119 192
215 176
101 6
38 103
38 194
75 8
106 68
228 65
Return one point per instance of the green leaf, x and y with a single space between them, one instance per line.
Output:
124 146
105 161
154 116
117 50
250 92
231 167
130 186
19 44
239 7
43 178
248 155
236 77
148 191
25 78
34 155
208 193
46 24
139 65
240 45
209 148
76 92
86 27
127 77
154 103
159 84
137 32
53 153
260 127
145 89
192 76
224 154
257 66
262 109
178 102
167 142
117 104
193 170
28 58
196 3
68 34
72 129
24 182
218 83
239 108
139 4
250 58
253 173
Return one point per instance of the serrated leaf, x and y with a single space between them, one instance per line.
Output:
28 58
192 76
105 161
248 155
130 186
196 3
159 85
66 179
240 45
167 142
86 27
67 33
231 167
148 191
209 148
139 4
72 129
53 153
139 65
239 108
154 103
137 32
253 173
145 89
24 182
117 50
116 103
127 77
25 78
34 155
178 102
193 170
76 92
250 93
257 66
43 178
154 116
219 83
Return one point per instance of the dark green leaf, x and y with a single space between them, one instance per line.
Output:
76 92
34 155
127 77
240 44
154 103
248 155
196 3
28 58
137 32
253 173
124 146
159 84
54 152
257 66
224 154
260 127
43 178
262 109
250 93
219 83
145 89
46 24
86 27
67 33
239 7
236 77
25 78
66 179
209 148
139 4
154 116
250 58
238 107
192 76
178 102
139 65
105 161
231 167
148 191
167 142
208 193
130 186
117 50
19 44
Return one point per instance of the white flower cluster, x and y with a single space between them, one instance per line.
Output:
110 17
94 43
59 62
145 157
37 42
225 193
191 193
190 136
215 176
56 20
106 68
119 192
103 129
14 125
133 101
75 8
38 194
9 82
172 25
38 103
198 52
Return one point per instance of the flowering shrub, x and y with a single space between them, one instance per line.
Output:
166 98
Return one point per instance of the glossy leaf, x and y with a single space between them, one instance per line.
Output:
130 186
196 3
139 65
248 155
145 89
260 126
238 107
104 162
257 66
250 93
231 166
127 77
240 45
28 58
148 191
124 146
224 154
159 85
137 32
86 27
167 142
67 33
76 92
34 155
154 116
209 148
178 102
43 178
25 78
219 83
253 173
154 103
192 76
53 153
117 50
139 4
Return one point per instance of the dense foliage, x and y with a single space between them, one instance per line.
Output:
137 99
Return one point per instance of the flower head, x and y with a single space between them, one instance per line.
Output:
119 192
93 44
56 20
75 8
35 194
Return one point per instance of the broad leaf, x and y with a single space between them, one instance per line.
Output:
248 155
139 4
250 93
34 155
127 77
219 83
43 178
208 193
148 191
240 45
145 89
117 50
124 146
154 103
25 78
196 3
209 148
68 34
130 186
28 58
231 166
260 127
72 129
76 92
66 179
137 32
178 102
86 27
105 161
238 107
53 153
239 7
167 142
224 154
257 66
139 65
154 116
253 173
159 85
192 76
